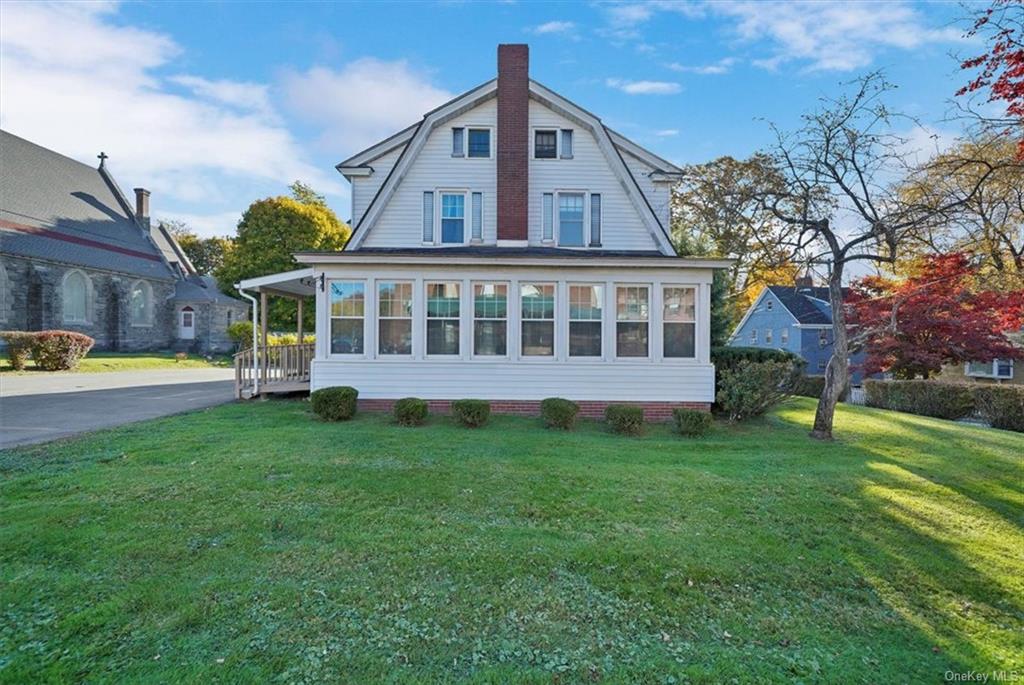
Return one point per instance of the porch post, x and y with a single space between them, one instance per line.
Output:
263 338
299 323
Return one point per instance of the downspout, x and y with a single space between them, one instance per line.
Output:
255 349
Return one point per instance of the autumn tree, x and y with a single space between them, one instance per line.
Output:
206 254
999 71
911 328
842 199
270 232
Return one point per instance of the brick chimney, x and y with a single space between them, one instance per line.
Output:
513 142
142 205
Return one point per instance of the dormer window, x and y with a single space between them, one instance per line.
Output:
545 144
480 142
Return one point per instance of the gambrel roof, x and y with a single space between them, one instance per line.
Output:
412 139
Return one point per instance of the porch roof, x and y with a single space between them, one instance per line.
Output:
297 283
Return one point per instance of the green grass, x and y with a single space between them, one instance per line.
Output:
130 361
252 543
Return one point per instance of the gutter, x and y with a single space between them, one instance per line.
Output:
255 350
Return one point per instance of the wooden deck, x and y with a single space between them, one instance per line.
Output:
278 369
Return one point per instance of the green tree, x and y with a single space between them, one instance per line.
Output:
206 254
306 195
270 232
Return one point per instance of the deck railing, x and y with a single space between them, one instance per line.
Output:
279 368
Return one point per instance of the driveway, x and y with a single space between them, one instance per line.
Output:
46 407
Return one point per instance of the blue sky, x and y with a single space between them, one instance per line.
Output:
214 105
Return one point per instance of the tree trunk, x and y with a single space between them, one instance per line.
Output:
837 372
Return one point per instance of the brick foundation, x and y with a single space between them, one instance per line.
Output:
654 412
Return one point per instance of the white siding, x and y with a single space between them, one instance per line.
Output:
588 170
364 188
658 195
608 378
401 223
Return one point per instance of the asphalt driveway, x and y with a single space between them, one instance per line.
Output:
41 408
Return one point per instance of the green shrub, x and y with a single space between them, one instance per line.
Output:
727 358
335 404
1002 406
752 388
691 422
627 419
240 333
411 411
809 386
559 413
19 347
925 398
278 339
471 413
60 350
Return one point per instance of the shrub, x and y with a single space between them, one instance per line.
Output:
691 422
240 333
60 350
809 386
19 347
411 411
728 358
926 398
1002 406
471 413
627 419
752 388
335 404
559 413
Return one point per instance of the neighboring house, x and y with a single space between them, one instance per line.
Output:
510 247
996 371
74 255
796 318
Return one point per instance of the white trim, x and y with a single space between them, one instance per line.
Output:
368 303
355 257
352 171
283 277
512 243
378 149
644 155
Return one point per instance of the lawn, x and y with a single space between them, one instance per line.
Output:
252 543
131 361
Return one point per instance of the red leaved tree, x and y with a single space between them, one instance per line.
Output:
1001 65
913 327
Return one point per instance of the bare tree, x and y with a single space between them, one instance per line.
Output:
843 168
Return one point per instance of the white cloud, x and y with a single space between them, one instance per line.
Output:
643 87
361 103
77 80
722 66
554 27
667 132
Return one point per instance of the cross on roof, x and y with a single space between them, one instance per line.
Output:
103 158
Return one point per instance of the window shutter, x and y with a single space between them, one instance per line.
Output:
457 136
566 143
428 217
595 220
478 223
549 223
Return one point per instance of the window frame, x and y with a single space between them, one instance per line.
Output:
472 333
427 354
148 316
650 341
603 300
460 132
993 370
556 130
331 317
695 288
561 143
557 218
753 336
467 199
411 318
768 337
784 335
553 321
490 141
88 313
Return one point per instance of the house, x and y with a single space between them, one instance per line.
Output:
998 371
509 247
795 318
75 255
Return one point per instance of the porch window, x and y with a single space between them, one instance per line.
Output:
490 319
679 321
453 217
394 325
348 302
443 309
632 310
538 319
586 305
570 219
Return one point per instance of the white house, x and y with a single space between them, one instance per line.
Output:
509 247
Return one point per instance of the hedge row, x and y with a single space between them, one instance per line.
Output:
339 404
51 350
1002 406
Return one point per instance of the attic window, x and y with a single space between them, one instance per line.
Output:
457 142
545 144
769 305
566 143
479 142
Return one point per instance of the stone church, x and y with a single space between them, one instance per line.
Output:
75 255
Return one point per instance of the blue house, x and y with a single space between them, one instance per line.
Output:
794 318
